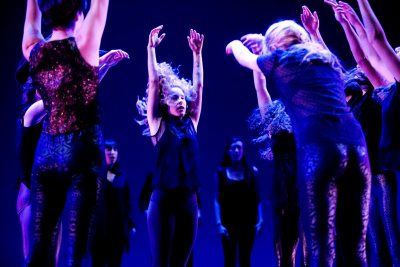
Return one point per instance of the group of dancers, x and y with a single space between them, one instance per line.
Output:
336 168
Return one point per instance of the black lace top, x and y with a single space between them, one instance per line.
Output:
177 155
67 84
313 94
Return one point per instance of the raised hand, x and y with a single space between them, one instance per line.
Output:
254 42
112 57
195 41
154 39
338 10
310 20
332 3
348 12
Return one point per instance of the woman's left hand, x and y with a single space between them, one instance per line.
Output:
112 57
195 41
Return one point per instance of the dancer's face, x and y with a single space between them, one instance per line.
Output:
111 154
176 102
236 151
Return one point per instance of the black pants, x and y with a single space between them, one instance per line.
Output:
238 246
172 226
64 178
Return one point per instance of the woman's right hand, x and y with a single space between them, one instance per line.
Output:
310 20
222 230
254 42
154 39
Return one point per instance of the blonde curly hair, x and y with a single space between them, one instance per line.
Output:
168 79
274 121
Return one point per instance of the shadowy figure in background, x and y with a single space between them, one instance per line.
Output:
114 225
237 204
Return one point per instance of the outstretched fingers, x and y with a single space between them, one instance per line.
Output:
195 41
154 38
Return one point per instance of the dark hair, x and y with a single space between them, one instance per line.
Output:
61 13
227 161
358 76
109 144
355 79
116 167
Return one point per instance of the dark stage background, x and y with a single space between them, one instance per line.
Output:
229 99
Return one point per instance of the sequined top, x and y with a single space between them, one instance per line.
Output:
67 84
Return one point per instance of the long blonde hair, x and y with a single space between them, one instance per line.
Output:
289 35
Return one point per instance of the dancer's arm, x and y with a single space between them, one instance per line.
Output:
220 228
377 37
263 96
195 41
32 27
254 42
89 36
110 59
34 114
260 221
310 22
363 52
369 51
153 98
217 209
357 48
242 55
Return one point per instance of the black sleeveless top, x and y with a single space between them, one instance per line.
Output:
177 155
238 200
67 84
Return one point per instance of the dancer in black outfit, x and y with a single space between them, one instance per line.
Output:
172 108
